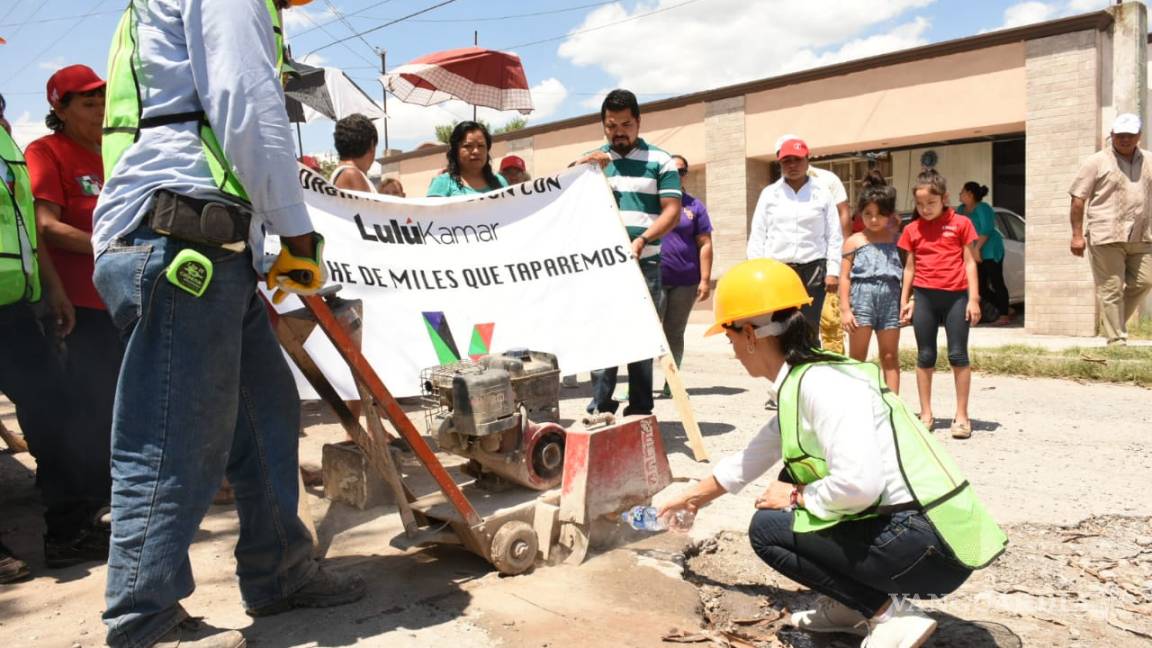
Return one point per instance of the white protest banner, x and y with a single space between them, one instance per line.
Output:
545 265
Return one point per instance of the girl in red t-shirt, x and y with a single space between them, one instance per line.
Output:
940 287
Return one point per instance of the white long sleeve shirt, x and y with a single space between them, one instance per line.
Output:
218 56
856 439
797 226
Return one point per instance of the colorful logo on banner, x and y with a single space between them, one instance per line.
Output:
446 350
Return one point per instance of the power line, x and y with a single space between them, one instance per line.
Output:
597 28
340 41
32 15
43 21
387 24
54 43
336 12
508 17
11 9
347 15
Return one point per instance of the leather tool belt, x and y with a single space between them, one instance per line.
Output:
207 222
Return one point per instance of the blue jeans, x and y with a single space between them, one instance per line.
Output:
639 373
860 563
203 392
91 357
32 378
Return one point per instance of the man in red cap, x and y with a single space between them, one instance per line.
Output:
513 169
796 221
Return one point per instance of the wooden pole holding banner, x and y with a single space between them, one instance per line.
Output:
672 375
684 407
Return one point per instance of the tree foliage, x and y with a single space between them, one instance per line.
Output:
444 131
328 165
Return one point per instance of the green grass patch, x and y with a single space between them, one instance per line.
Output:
1141 329
1098 364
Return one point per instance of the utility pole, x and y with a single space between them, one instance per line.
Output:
475 43
384 91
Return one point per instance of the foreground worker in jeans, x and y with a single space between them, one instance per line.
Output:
869 506
199 163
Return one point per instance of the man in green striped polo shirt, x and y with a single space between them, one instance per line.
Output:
647 188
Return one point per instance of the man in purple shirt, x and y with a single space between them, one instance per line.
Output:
685 267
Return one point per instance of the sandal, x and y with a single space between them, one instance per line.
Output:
961 430
928 423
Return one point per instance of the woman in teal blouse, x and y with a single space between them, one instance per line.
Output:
469 165
989 248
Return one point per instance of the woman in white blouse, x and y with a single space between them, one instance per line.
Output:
855 534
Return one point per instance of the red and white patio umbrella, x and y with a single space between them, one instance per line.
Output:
481 77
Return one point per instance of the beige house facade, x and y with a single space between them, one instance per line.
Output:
1017 110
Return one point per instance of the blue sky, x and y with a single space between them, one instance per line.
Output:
657 48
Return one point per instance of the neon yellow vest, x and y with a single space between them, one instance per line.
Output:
122 116
940 490
19 267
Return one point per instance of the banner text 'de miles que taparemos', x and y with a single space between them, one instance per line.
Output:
544 265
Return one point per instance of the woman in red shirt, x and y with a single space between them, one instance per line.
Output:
67 174
940 287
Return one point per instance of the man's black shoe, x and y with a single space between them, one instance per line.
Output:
90 545
12 569
325 589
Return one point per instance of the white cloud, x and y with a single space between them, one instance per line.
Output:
596 100
1027 13
314 59
547 97
301 18
904 36
26 128
52 64
1084 6
717 43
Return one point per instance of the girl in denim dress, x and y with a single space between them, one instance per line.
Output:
870 275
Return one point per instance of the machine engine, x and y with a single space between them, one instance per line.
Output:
500 411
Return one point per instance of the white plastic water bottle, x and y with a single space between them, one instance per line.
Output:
645 518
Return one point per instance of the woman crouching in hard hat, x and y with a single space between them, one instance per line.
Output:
873 506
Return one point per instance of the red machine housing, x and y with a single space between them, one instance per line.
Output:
610 469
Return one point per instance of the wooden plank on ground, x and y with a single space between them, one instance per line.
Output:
14 441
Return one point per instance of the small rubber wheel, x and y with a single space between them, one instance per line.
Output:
514 548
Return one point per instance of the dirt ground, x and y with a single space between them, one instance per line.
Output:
1064 466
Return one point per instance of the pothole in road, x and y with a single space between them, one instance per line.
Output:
1081 586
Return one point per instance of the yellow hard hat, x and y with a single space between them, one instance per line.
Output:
756 287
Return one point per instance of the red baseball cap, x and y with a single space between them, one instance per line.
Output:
512 162
792 148
75 79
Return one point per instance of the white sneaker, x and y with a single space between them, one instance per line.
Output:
908 627
831 615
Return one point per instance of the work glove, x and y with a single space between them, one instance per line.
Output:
299 275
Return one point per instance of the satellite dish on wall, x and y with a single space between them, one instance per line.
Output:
929 158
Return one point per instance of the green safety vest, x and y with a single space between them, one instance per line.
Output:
122 116
19 267
940 490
